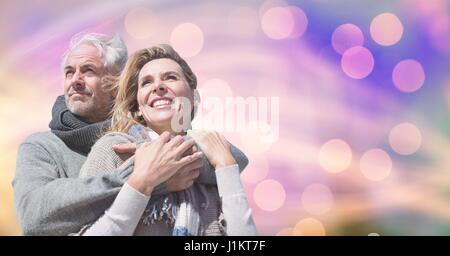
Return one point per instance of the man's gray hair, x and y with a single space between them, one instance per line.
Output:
112 50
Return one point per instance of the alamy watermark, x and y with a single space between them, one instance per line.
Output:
231 114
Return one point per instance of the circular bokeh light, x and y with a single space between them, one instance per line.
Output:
357 62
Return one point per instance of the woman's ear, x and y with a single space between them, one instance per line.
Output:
196 97
138 116
196 102
114 93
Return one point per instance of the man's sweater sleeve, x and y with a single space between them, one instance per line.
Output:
235 207
208 174
47 204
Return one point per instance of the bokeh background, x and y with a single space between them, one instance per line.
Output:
363 87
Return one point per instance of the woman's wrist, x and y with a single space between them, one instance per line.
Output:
224 161
139 184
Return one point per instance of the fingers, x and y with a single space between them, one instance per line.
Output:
182 180
191 158
190 178
164 137
183 147
189 183
192 166
175 141
159 142
194 174
190 151
125 148
146 144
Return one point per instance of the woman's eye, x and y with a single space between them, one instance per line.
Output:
145 83
171 77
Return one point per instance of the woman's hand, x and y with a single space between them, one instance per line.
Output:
160 159
215 146
181 180
185 177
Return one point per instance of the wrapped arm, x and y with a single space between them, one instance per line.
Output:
122 217
47 204
208 174
124 213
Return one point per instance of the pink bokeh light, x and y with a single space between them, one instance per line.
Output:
357 62
317 199
346 36
187 39
278 23
439 33
408 76
386 29
300 21
269 195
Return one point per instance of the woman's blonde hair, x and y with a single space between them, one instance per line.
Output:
124 112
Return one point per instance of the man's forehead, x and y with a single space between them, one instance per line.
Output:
84 53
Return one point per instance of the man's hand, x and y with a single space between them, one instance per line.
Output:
125 148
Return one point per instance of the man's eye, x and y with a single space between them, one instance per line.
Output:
69 73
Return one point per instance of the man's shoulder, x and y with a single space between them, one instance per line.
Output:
42 138
39 142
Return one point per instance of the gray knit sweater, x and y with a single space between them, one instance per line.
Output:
49 197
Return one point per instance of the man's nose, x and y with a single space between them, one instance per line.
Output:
77 81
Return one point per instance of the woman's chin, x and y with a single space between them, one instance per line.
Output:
161 118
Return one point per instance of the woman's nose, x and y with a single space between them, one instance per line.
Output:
160 88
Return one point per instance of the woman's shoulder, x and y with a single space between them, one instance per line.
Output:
113 138
104 145
102 157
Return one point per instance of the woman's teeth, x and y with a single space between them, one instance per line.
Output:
160 103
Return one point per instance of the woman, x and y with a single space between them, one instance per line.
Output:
155 88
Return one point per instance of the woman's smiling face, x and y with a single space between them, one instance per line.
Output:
160 81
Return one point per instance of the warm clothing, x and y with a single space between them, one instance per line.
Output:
194 211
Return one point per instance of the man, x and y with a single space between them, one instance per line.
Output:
50 199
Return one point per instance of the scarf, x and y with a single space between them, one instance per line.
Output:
75 133
179 209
